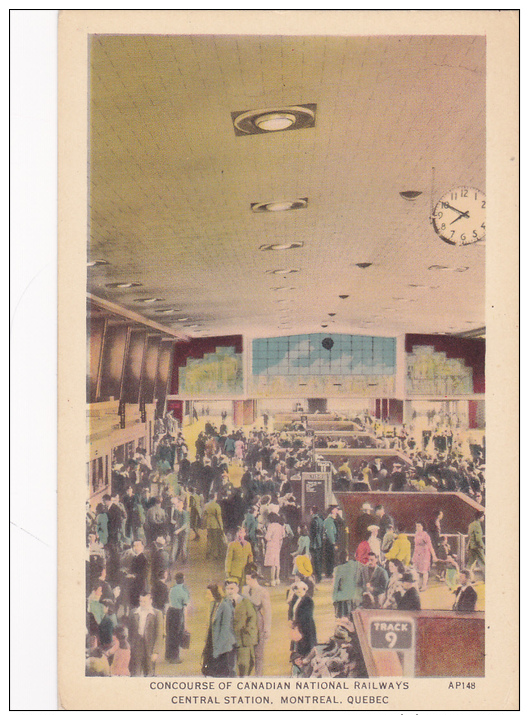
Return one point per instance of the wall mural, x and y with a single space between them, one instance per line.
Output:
323 363
430 372
216 373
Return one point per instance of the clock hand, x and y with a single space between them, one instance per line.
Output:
465 214
454 209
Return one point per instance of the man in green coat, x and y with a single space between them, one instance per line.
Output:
349 583
476 546
245 628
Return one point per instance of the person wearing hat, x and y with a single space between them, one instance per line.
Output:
365 519
410 599
239 556
301 618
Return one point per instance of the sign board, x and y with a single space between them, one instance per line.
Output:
313 492
392 633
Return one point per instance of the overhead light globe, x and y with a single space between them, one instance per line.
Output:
275 122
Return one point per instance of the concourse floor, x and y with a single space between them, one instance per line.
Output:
199 572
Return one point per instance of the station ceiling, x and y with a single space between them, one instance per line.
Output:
180 188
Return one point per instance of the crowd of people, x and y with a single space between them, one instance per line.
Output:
138 542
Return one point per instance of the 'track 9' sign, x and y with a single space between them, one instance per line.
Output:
394 634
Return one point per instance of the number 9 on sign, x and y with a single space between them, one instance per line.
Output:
391 639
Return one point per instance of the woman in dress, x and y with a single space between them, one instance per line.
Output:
102 524
274 536
423 554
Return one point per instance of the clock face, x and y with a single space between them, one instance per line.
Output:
459 217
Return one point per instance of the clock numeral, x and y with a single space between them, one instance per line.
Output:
443 225
483 226
464 193
474 233
444 204
439 214
453 196
476 196
463 238
453 231
483 204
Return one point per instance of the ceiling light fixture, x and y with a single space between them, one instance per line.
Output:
331 314
281 246
282 271
167 310
363 265
343 297
275 119
410 195
123 285
97 262
148 300
283 288
274 206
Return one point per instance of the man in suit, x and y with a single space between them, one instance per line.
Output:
260 598
212 519
244 627
146 637
349 583
466 596
331 538
376 581
410 599
317 536
238 557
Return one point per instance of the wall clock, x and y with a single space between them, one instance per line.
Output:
459 216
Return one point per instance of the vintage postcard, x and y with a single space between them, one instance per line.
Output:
288 329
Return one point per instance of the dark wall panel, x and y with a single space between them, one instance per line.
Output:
95 330
114 347
162 373
133 366
150 368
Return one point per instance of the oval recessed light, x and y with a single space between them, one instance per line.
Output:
97 262
182 320
275 122
283 288
461 269
363 265
410 195
435 267
281 246
331 314
167 310
148 300
124 284
282 271
343 296
274 206
275 119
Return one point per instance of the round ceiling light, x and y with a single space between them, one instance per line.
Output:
275 119
282 271
275 206
124 284
281 246
97 262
